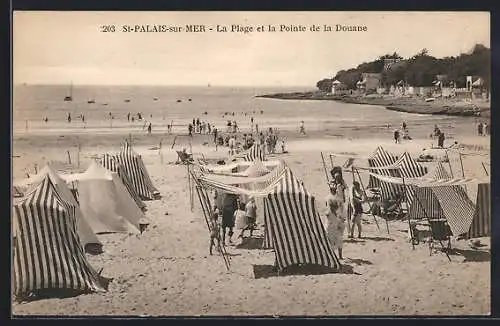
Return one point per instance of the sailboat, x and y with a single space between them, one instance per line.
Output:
69 98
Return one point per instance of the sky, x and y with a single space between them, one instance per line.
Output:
71 47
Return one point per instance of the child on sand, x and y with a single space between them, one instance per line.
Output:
357 207
250 217
214 229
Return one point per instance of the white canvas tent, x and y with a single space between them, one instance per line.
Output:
106 201
86 234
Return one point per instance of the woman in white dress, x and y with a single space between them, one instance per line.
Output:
336 221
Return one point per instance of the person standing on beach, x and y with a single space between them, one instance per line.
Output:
230 205
250 217
356 203
215 135
336 223
190 130
396 136
302 129
149 128
214 229
232 145
128 117
69 116
441 140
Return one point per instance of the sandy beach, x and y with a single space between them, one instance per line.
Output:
167 269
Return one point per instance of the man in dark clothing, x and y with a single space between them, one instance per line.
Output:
441 140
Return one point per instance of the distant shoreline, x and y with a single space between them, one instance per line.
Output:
400 104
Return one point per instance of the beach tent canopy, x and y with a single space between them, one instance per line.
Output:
136 171
47 250
381 162
85 233
379 158
106 201
111 163
253 153
438 198
292 224
239 168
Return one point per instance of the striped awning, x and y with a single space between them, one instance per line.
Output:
253 153
425 182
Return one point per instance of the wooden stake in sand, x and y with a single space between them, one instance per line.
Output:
371 206
462 167
160 152
324 167
484 167
78 153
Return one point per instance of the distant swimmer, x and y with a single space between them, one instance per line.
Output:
69 117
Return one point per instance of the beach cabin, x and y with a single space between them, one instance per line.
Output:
339 88
369 82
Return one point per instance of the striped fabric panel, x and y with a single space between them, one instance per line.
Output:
251 154
481 223
409 168
268 241
296 230
457 207
110 163
424 205
47 250
383 158
137 173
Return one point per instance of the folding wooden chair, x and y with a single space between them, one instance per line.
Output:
440 233
184 158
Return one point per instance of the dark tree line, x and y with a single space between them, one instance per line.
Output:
420 70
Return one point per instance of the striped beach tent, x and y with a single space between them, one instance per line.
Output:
47 250
137 173
86 235
379 159
292 223
111 163
481 223
294 226
454 202
253 153
425 203
409 168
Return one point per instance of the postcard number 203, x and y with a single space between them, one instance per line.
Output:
107 28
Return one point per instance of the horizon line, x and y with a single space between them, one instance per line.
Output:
159 85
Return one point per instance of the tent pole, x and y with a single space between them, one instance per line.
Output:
462 167
364 192
409 224
324 167
331 161
449 162
485 171
207 215
189 186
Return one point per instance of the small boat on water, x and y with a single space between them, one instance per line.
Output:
189 100
127 101
69 98
179 101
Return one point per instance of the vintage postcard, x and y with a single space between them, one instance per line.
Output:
251 163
